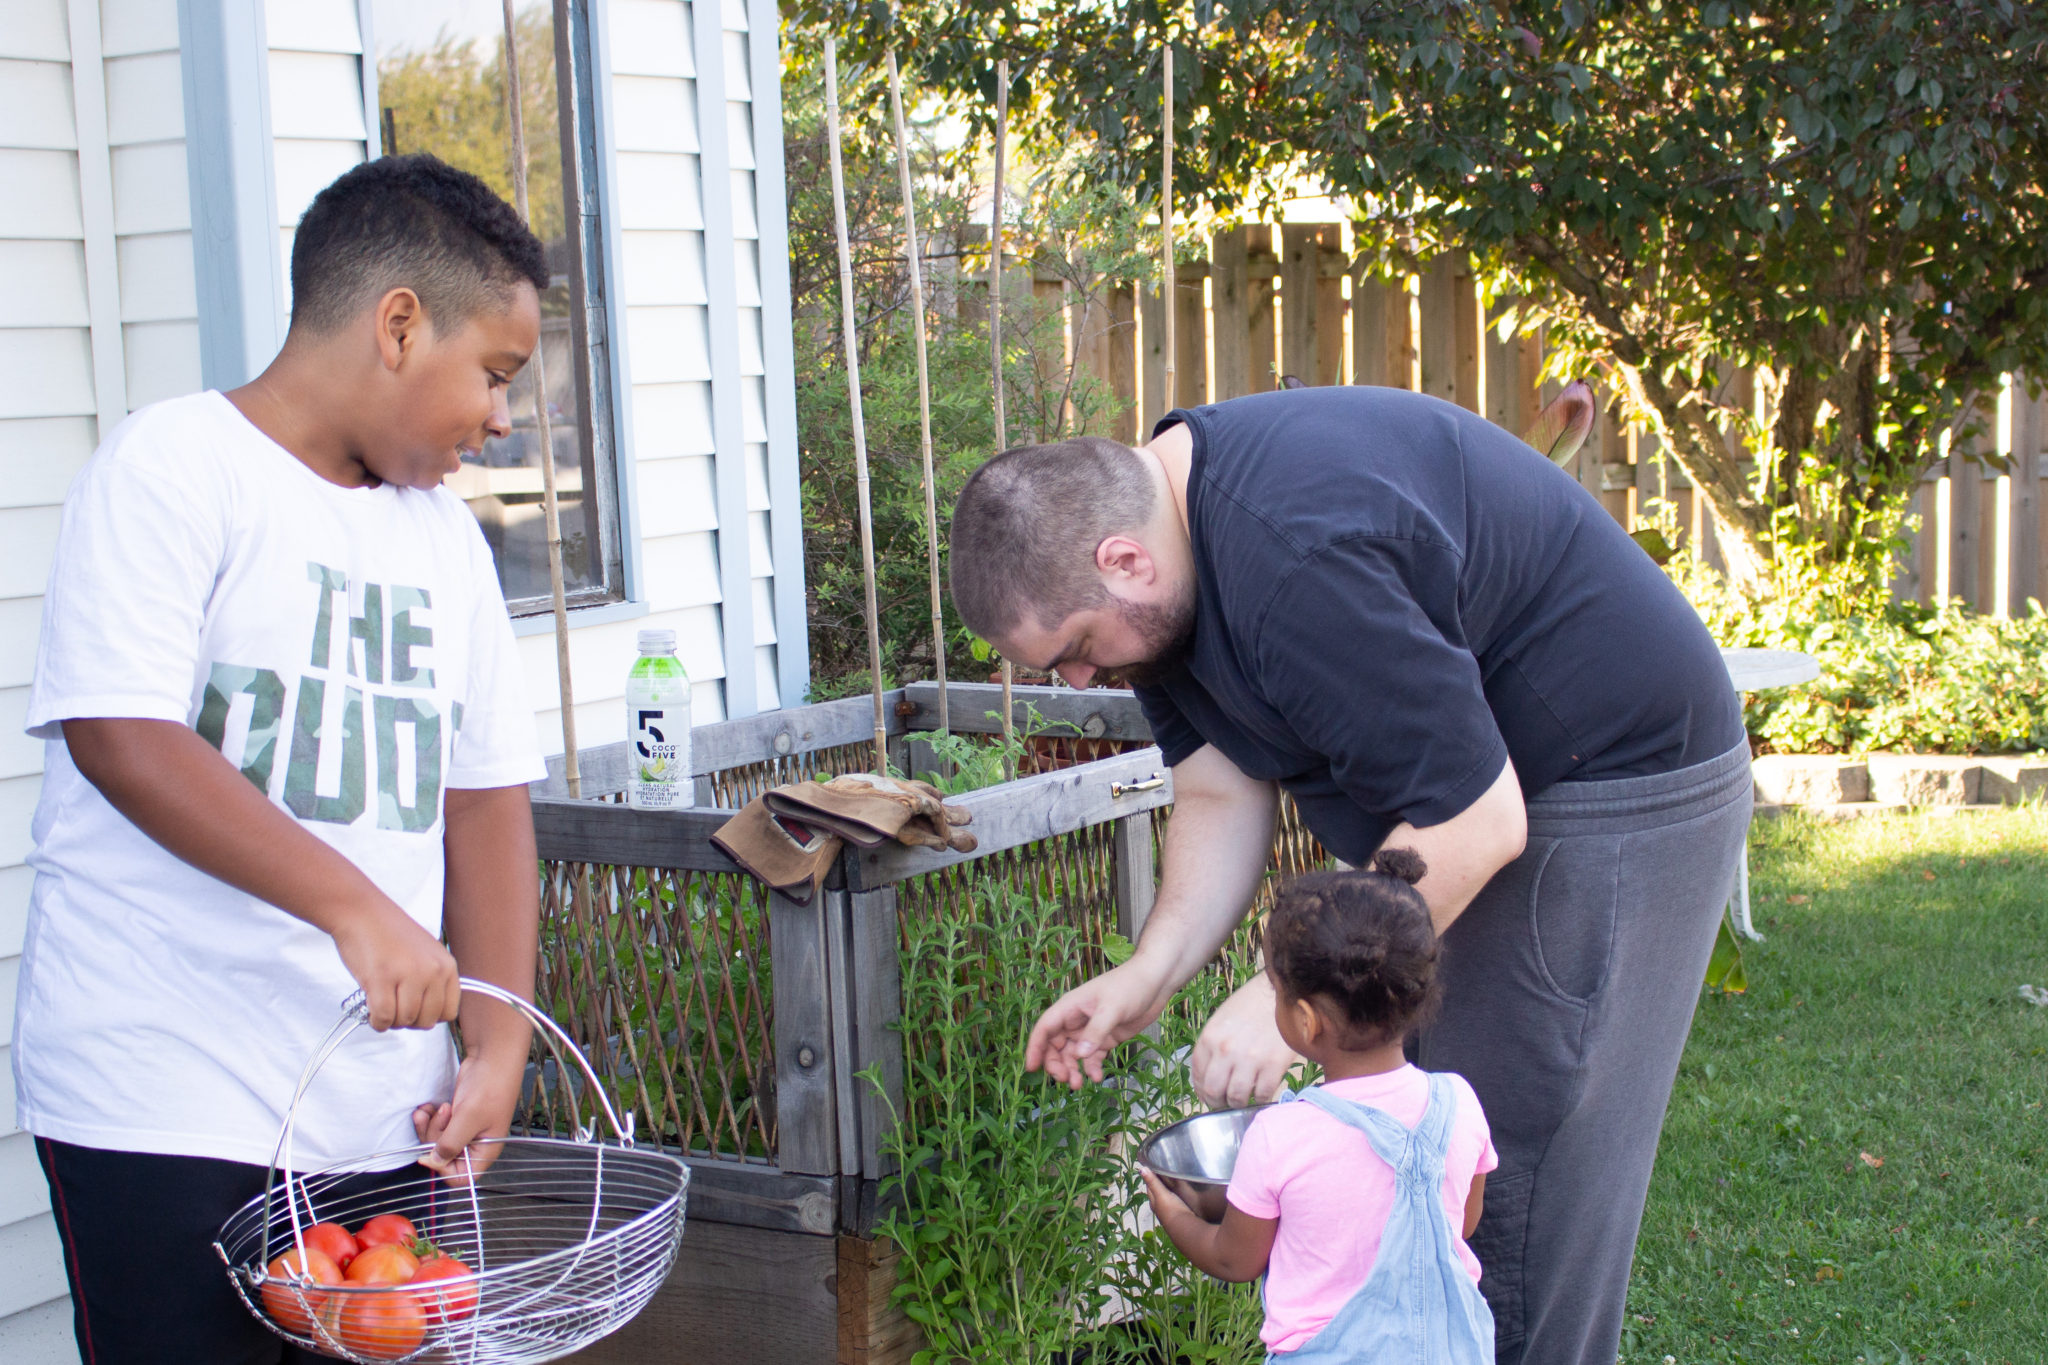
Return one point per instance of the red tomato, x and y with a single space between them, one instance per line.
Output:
445 1303
334 1239
383 1265
382 1326
387 1229
287 1295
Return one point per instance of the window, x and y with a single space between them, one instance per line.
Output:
441 88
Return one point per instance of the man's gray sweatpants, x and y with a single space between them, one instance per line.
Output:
1569 986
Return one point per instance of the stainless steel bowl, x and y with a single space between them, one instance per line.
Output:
1195 1157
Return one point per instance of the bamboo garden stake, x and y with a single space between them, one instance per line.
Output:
860 432
914 255
1169 301
551 508
995 346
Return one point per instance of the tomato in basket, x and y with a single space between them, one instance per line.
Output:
380 1326
334 1239
449 1302
383 1265
387 1229
288 1292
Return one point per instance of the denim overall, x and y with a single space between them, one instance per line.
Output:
1418 1305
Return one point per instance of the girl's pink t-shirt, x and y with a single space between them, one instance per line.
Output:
1331 1192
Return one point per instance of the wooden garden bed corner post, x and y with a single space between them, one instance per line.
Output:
1169 392
849 338
551 508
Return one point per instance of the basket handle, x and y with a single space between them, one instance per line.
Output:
355 1013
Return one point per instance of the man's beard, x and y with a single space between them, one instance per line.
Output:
1168 630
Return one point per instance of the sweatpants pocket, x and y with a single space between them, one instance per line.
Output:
1499 1242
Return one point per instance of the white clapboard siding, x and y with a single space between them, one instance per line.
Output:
754 416
156 277
36 30
31 1251
39 457
653 114
651 38
163 360
23 1192
676 497
42 284
659 191
681 571
35 105
311 26
672 419
41 199
155 286
668 345
39 1336
753 360
145 99
316 106
739 135
664 267
20 756
757 478
132 26
48 374
151 191
746 281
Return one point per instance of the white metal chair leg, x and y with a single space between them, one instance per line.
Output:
1738 904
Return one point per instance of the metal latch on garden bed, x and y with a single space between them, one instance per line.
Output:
1149 784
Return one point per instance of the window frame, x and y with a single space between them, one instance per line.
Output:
582 74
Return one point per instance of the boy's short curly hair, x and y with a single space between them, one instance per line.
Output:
1362 943
413 221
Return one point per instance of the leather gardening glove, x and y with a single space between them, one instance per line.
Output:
865 810
790 855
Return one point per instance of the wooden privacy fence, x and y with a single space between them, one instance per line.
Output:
1282 300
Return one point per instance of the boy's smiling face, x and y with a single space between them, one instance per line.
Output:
445 392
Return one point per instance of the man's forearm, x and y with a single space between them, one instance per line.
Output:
1217 847
491 910
1465 851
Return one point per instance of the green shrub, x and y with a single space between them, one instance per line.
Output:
1018 1204
1893 675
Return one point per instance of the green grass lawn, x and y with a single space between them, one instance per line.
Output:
1855 1164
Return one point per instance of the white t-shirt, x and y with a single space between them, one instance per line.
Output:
349 651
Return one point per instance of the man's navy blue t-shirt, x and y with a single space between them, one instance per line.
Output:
1394 596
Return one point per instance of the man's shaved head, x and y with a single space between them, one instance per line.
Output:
1027 525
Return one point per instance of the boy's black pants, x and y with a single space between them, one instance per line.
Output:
147 1287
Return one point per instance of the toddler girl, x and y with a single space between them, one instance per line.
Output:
1356 1200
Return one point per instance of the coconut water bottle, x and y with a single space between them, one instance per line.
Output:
658 726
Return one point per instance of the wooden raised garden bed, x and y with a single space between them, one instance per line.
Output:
736 1025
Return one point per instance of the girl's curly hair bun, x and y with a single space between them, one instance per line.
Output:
1402 863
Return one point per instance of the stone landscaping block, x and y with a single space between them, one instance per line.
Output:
2013 779
1810 779
1925 779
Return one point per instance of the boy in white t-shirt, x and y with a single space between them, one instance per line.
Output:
287 752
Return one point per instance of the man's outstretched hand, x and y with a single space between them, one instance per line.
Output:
1070 1040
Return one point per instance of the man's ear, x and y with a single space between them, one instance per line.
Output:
1126 557
401 325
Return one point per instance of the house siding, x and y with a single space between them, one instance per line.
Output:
100 314
97 316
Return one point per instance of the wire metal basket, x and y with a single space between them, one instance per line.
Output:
566 1239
